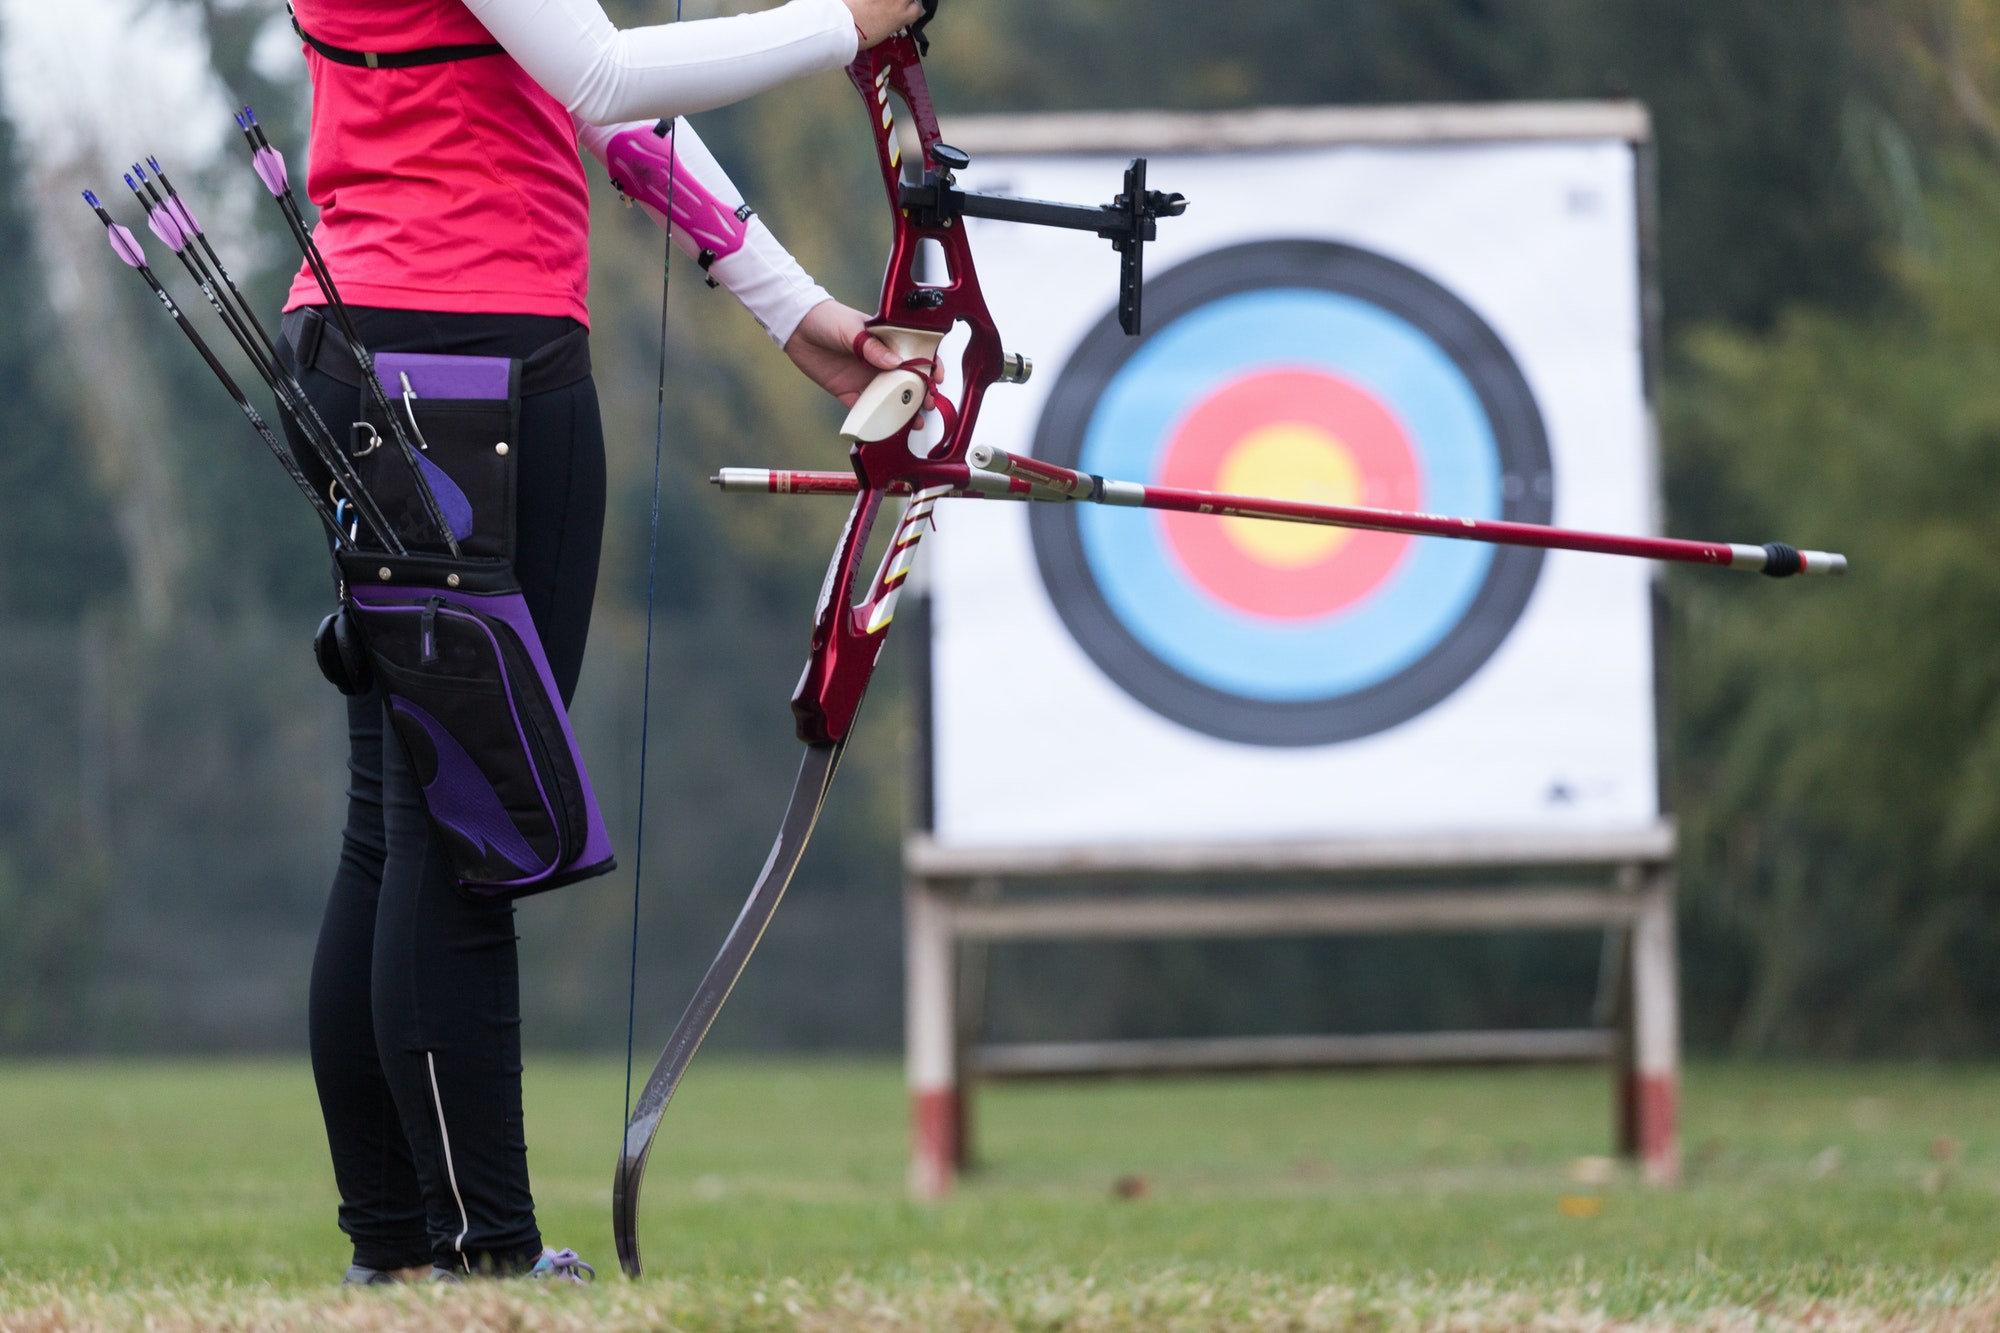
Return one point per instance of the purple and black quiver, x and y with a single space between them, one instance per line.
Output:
462 673
449 641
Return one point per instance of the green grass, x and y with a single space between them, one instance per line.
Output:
130 1192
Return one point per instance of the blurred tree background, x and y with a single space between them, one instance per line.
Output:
1831 271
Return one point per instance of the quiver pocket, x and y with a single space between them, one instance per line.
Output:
469 693
467 415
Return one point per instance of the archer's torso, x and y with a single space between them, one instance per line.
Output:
452 187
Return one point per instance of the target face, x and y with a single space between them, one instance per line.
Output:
1302 370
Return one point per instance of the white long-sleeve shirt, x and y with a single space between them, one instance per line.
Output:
612 80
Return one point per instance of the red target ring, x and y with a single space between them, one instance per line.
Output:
1291 434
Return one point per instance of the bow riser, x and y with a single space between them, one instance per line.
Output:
893 70
848 635
895 67
824 704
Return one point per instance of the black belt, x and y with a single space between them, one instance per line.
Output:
317 345
423 55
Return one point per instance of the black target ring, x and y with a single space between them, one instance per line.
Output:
1519 444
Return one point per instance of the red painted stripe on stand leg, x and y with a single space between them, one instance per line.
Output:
1659 1128
934 1127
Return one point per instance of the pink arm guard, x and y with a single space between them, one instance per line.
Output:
646 169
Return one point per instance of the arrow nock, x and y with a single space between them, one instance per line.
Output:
123 243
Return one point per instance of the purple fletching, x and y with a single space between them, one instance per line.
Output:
183 218
162 223
270 166
125 245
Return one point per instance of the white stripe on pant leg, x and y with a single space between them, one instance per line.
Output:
450 1171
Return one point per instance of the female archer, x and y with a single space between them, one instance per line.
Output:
454 219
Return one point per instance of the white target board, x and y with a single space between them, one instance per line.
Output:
1428 311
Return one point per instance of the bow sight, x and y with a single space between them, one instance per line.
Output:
1128 221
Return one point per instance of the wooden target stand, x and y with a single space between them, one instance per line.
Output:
957 906
960 902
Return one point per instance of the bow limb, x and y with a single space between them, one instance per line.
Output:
808 797
847 638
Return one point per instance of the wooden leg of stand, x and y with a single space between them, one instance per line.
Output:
931 1029
1656 1032
974 960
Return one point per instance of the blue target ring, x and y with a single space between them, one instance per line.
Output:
1248 655
1293 350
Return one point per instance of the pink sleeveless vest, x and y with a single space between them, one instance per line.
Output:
451 187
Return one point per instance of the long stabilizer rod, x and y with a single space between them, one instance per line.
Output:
996 474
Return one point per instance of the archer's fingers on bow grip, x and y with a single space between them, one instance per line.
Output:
893 399
877 20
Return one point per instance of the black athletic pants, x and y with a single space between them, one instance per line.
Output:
415 1004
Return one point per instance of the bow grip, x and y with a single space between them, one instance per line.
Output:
894 396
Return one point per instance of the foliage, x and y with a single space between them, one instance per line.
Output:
55 551
1772 116
1840 749
49 950
1797 139
199 1193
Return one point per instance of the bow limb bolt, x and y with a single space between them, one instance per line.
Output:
855 608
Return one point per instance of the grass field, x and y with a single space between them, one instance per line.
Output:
162 1197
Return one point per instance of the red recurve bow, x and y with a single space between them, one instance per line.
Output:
855 609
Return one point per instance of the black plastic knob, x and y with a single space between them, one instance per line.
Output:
949 158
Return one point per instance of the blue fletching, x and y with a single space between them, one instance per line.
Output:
457 510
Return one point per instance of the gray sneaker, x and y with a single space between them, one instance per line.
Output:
561 1266
358 1275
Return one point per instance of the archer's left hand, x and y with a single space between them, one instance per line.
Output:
823 348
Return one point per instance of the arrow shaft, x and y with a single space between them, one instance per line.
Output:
270 169
998 475
128 250
180 232
1774 558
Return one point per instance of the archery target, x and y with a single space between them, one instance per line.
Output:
1452 327
1307 370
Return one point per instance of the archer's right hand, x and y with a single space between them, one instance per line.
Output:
876 21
